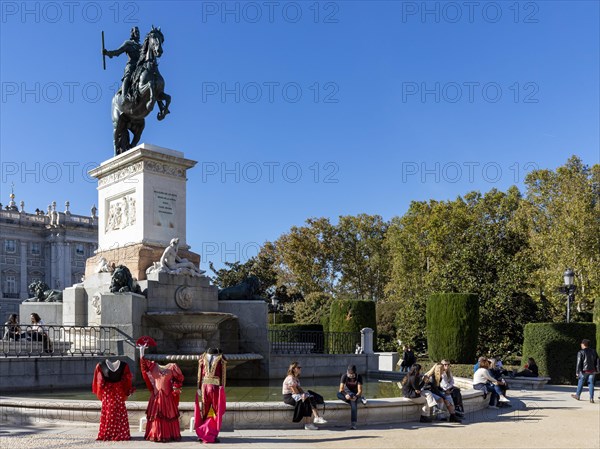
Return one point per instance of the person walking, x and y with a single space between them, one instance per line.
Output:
588 364
351 392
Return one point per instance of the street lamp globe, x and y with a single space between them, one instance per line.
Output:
569 277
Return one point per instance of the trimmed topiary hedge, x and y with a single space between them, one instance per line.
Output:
296 327
597 321
554 347
352 316
452 327
280 318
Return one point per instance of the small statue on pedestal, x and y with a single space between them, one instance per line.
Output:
171 263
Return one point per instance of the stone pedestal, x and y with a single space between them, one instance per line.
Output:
137 257
141 206
125 312
75 306
49 312
179 293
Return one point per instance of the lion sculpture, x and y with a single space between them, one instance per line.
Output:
247 289
123 282
42 293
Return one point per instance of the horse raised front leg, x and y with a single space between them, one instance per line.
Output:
164 109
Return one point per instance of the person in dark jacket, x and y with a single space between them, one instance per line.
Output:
530 369
408 359
416 385
588 364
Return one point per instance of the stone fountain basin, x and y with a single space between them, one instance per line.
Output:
189 322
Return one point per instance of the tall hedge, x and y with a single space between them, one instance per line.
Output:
452 327
597 321
554 347
352 316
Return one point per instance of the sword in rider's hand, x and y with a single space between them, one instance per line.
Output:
103 54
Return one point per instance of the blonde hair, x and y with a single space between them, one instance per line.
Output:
291 368
436 371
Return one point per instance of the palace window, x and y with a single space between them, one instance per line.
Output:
79 250
36 249
10 246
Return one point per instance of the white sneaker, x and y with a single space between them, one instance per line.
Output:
363 400
503 399
320 420
311 427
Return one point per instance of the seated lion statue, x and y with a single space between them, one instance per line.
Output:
123 282
247 289
42 293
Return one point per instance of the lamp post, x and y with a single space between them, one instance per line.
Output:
569 290
274 303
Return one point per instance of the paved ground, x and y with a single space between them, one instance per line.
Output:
547 418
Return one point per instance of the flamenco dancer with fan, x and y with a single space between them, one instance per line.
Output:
165 383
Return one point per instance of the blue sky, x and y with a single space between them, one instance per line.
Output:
344 107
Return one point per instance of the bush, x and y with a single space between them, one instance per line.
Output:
452 327
352 316
280 318
312 309
296 327
554 347
386 325
597 321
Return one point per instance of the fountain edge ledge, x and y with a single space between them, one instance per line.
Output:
239 415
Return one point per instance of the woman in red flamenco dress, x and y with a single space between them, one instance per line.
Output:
162 412
112 385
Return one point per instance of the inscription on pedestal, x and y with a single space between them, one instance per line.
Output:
165 209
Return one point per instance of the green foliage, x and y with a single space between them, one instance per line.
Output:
312 309
296 327
597 321
554 347
386 326
363 259
352 316
280 318
562 218
452 326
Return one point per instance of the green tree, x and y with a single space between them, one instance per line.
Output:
306 257
363 258
562 214
313 308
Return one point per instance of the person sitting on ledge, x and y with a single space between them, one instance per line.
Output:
415 385
12 330
530 369
305 403
37 332
484 381
351 392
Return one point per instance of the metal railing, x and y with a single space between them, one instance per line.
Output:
25 340
313 342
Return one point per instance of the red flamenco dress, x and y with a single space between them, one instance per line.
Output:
162 412
112 385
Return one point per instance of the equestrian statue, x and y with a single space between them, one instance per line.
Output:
142 87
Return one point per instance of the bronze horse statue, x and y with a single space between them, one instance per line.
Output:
148 88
